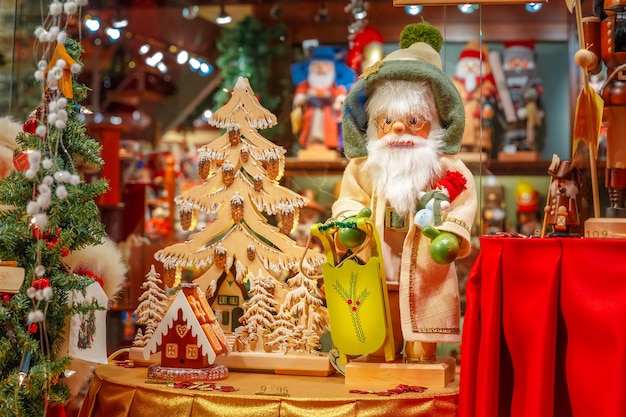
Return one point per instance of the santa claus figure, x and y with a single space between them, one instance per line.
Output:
318 98
525 89
477 87
403 123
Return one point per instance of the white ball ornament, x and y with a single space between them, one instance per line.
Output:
30 292
40 270
30 173
62 114
32 208
38 31
52 118
55 74
62 102
47 293
56 8
46 163
39 75
82 3
48 180
41 131
44 201
38 297
61 192
70 7
61 63
60 124
61 37
34 158
42 64
53 85
75 179
40 220
53 106
75 68
43 189
53 32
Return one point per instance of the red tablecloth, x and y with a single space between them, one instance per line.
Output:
545 329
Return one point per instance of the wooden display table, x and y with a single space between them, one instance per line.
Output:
545 329
123 392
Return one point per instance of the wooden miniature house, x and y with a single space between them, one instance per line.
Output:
189 336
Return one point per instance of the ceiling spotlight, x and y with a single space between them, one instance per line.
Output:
182 57
359 9
92 23
322 14
162 67
154 59
467 8
113 34
119 23
144 49
533 7
413 10
194 64
223 18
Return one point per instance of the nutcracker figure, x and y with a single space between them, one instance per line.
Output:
605 35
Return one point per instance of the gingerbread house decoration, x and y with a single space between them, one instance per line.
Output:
189 336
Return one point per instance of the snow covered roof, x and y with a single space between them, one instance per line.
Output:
199 318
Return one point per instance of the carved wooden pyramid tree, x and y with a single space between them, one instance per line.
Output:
240 248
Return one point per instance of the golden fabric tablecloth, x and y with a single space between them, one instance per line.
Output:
122 392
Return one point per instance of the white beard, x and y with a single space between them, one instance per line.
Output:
321 80
400 172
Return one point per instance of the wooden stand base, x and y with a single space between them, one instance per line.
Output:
163 373
519 156
605 228
287 364
135 354
365 371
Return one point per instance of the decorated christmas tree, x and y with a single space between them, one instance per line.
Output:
51 214
246 263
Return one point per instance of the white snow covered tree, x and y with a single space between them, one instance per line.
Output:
151 309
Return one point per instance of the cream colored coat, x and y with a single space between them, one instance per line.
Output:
428 292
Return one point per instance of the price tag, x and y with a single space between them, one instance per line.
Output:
11 279
274 391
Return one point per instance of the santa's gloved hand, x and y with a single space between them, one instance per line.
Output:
444 246
351 237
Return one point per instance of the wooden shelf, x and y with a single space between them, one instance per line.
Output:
518 168
296 167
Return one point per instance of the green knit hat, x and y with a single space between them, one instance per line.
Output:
417 60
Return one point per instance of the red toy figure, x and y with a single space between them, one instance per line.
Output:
319 97
477 87
605 35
